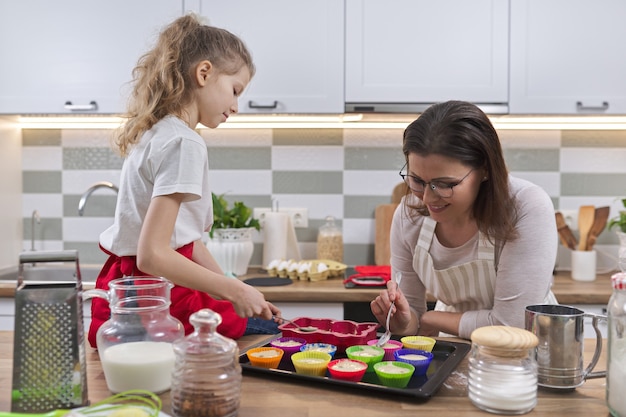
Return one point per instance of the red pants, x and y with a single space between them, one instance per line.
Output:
185 301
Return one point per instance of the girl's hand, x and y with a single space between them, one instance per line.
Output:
250 302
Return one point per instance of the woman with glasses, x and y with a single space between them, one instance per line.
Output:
481 241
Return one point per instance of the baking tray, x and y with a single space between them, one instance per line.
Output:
447 356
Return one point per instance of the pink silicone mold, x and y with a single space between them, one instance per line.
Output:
341 333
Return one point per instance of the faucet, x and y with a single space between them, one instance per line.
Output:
34 217
90 190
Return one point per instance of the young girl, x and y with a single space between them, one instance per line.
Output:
194 74
478 239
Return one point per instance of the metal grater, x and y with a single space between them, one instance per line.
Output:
49 362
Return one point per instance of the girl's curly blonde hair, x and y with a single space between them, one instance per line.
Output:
163 76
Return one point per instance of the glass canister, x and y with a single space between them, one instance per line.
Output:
135 344
330 241
206 381
616 359
503 370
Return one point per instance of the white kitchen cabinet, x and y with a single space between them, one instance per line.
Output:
414 52
297 47
74 51
567 56
7 313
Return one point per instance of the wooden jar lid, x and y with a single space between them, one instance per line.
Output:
504 341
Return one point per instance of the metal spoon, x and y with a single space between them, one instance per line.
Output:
301 328
387 335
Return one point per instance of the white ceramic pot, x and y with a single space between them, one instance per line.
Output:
232 249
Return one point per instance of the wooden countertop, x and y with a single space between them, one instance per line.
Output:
269 397
567 290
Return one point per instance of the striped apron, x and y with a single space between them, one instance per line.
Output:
460 288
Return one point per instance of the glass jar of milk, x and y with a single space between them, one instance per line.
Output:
135 344
616 360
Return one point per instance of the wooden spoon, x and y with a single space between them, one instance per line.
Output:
565 233
307 329
586 215
599 223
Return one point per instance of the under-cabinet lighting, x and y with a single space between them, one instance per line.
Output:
339 121
559 122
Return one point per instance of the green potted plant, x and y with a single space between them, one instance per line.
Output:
230 238
619 221
237 217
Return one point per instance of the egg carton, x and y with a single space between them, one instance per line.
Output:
306 270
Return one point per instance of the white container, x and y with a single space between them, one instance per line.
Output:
503 370
584 265
232 250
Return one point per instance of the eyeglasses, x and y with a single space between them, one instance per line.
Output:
441 188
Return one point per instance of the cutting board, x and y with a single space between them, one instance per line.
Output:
383 216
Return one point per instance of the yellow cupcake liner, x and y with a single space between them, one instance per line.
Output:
311 362
418 342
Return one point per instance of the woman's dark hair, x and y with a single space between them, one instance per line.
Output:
460 130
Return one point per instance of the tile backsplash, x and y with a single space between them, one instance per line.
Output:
343 173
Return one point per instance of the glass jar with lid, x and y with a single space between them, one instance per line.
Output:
330 241
616 359
206 381
135 344
503 370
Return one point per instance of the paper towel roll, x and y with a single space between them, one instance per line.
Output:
280 240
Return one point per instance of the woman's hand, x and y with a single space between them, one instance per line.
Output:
401 316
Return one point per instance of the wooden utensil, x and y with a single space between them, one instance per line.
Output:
383 217
565 233
599 223
301 328
398 192
585 221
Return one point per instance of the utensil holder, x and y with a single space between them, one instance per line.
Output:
584 265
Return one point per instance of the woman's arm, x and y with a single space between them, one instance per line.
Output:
411 297
526 264
433 322
156 257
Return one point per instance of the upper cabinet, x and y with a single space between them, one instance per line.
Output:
331 56
403 53
74 56
297 47
567 57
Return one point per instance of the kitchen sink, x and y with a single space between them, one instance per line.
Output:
52 272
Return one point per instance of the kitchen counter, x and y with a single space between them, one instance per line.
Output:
567 290
269 397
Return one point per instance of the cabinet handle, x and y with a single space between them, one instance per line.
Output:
253 105
81 107
581 107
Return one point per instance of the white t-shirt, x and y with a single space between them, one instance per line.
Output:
525 265
170 158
